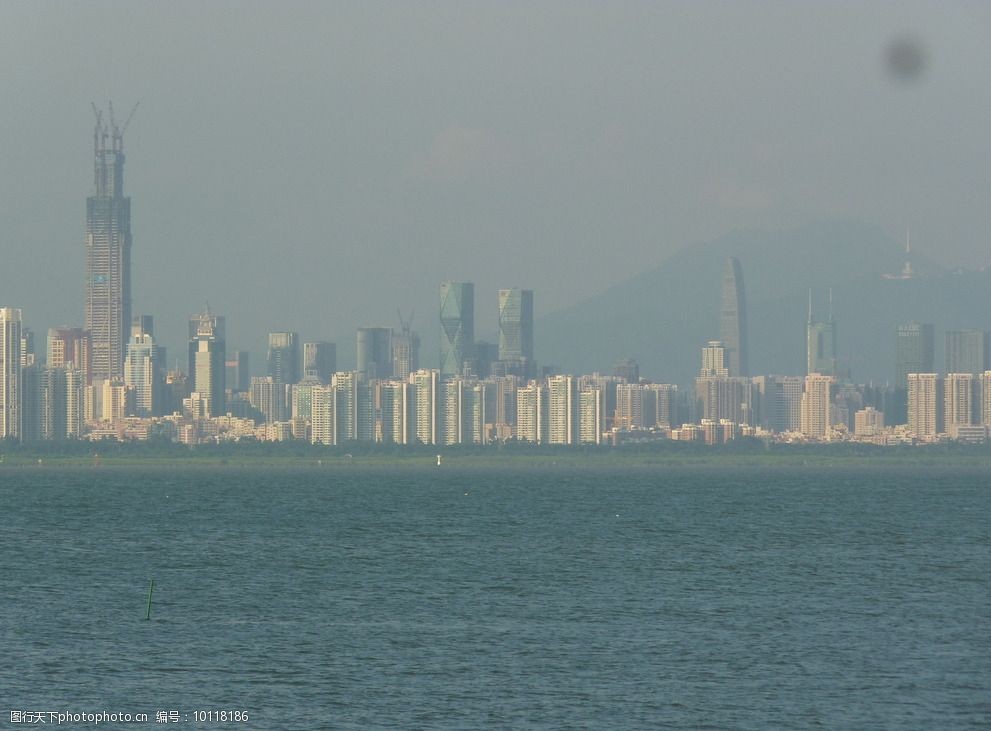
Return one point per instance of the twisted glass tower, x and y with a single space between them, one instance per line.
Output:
457 327
108 253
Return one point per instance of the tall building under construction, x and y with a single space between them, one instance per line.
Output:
108 252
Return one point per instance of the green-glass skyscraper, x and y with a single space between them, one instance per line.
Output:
457 327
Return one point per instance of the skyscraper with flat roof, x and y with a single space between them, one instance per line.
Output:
284 358
733 318
374 353
319 360
108 252
457 327
914 351
966 351
821 342
925 395
516 328
10 373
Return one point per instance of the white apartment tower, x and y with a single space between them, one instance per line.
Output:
923 404
10 373
815 406
958 401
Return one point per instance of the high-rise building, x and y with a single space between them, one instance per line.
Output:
628 369
816 406
562 410
11 397
781 402
346 405
374 353
868 422
958 401
108 252
319 360
268 398
914 352
142 373
714 360
239 371
629 406
733 318
532 413
967 351
208 361
405 352
322 415
425 389
924 400
591 402
516 330
457 328
394 398
27 347
719 398
821 342
986 398
70 346
661 406
284 358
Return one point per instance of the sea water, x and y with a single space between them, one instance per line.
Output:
458 598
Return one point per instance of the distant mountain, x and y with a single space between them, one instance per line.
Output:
663 317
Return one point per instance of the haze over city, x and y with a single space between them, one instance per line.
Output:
316 167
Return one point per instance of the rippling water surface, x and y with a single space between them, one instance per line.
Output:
541 599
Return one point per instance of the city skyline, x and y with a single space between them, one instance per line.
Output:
609 145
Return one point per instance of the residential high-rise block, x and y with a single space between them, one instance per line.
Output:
374 353
323 419
714 360
816 422
924 400
394 400
868 422
967 351
425 387
11 397
661 406
532 413
27 347
591 424
781 402
457 328
629 406
821 342
958 401
516 329
70 346
986 398
562 410
346 405
914 352
405 352
733 318
208 360
142 373
108 253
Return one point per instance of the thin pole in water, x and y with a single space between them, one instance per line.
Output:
150 590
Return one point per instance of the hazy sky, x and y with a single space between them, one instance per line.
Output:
315 166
